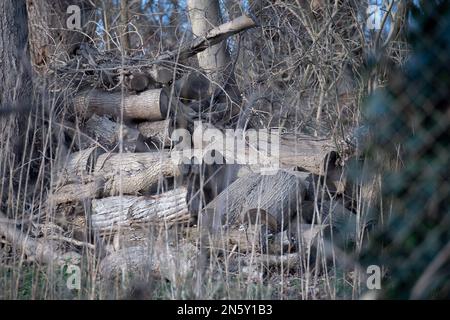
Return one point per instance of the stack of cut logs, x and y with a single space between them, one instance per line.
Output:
125 192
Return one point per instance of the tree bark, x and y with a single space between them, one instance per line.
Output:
119 173
305 152
148 105
49 36
158 131
269 200
215 61
124 36
16 89
114 213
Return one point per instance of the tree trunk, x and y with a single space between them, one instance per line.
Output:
15 93
50 37
204 16
215 61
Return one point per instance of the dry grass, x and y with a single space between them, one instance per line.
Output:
306 66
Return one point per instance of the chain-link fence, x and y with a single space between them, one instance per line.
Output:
409 121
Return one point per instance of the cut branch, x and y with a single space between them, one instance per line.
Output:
214 36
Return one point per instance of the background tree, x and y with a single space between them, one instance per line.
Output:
15 96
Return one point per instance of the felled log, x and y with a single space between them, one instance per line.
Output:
74 192
256 198
286 152
147 105
132 172
108 133
36 249
172 263
113 213
79 165
306 152
159 132
119 173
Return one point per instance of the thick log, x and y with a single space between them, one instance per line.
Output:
36 249
129 173
169 262
264 150
118 212
75 192
120 173
159 132
147 105
109 133
265 199
306 152
79 166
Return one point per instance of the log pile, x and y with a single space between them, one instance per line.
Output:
124 174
